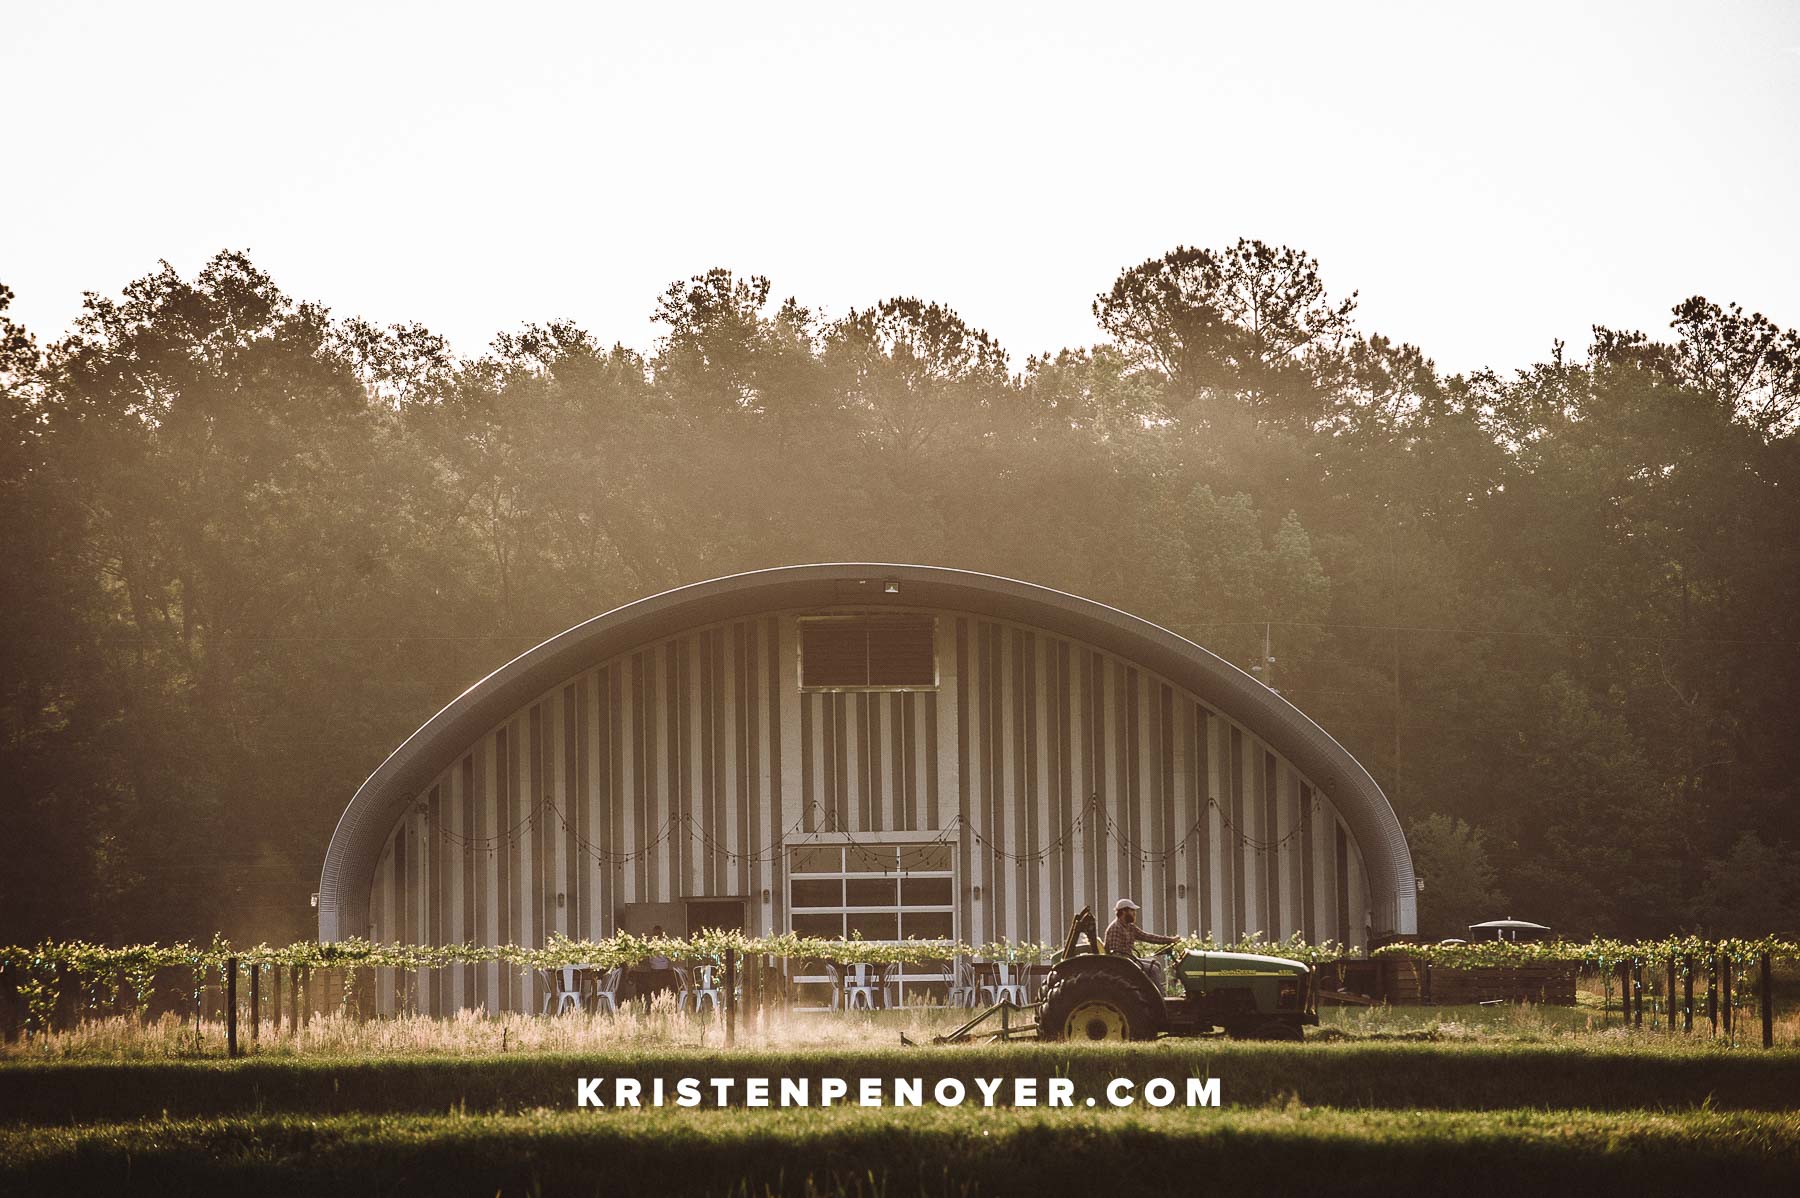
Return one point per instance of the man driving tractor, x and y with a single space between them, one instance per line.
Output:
1123 933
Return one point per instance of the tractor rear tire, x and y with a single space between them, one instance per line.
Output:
1093 1006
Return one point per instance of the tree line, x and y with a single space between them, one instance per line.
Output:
251 546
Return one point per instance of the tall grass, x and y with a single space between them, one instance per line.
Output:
474 1033
661 1026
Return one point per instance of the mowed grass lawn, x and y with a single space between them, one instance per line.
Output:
922 1151
1369 1110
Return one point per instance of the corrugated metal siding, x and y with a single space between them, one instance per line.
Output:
677 770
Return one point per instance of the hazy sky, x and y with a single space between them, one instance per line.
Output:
1489 179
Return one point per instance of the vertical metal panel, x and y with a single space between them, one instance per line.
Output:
702 709
1022 813
690 759
581 865
1293 868
1046 876
1234 849
612 725
934 712
406 872
469 927
1309 914
784 758
1193 776
965 840
808 791
907 764
671 797
1341 879
843 802
381 924
533 928
434 875
711 791
631 741
1271 853
1093 763
1120 798
982 751
863 747
890 763
1068 768
485 869
743 757
1218 784
1171 837
563 824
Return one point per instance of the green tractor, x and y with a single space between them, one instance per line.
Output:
1091 995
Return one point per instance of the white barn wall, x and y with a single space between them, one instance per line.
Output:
710 730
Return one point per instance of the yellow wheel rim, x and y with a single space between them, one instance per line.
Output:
1094 1020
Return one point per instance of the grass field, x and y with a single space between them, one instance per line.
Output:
1377 1101
852 1151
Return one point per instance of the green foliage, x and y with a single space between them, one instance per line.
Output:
1755 886
1460 889
253 546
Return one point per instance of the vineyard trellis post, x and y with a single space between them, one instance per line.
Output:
1727 984
730 996
1669 1009
1712 992
1768 1001
231 972
255 1000
1727 980
1687 993
1637 987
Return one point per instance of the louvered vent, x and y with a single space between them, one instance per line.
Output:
885 652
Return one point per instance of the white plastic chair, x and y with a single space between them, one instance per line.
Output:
565 989
701 988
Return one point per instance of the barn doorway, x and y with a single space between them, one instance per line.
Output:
724 915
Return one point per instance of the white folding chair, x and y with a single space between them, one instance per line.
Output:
701 988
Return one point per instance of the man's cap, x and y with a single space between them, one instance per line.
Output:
1124 905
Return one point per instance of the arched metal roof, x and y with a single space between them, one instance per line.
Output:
362 832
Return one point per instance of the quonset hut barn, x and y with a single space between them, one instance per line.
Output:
885 750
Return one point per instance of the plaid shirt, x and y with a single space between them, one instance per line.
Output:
1122 938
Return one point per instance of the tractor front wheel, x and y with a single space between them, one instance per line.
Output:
1093 1006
